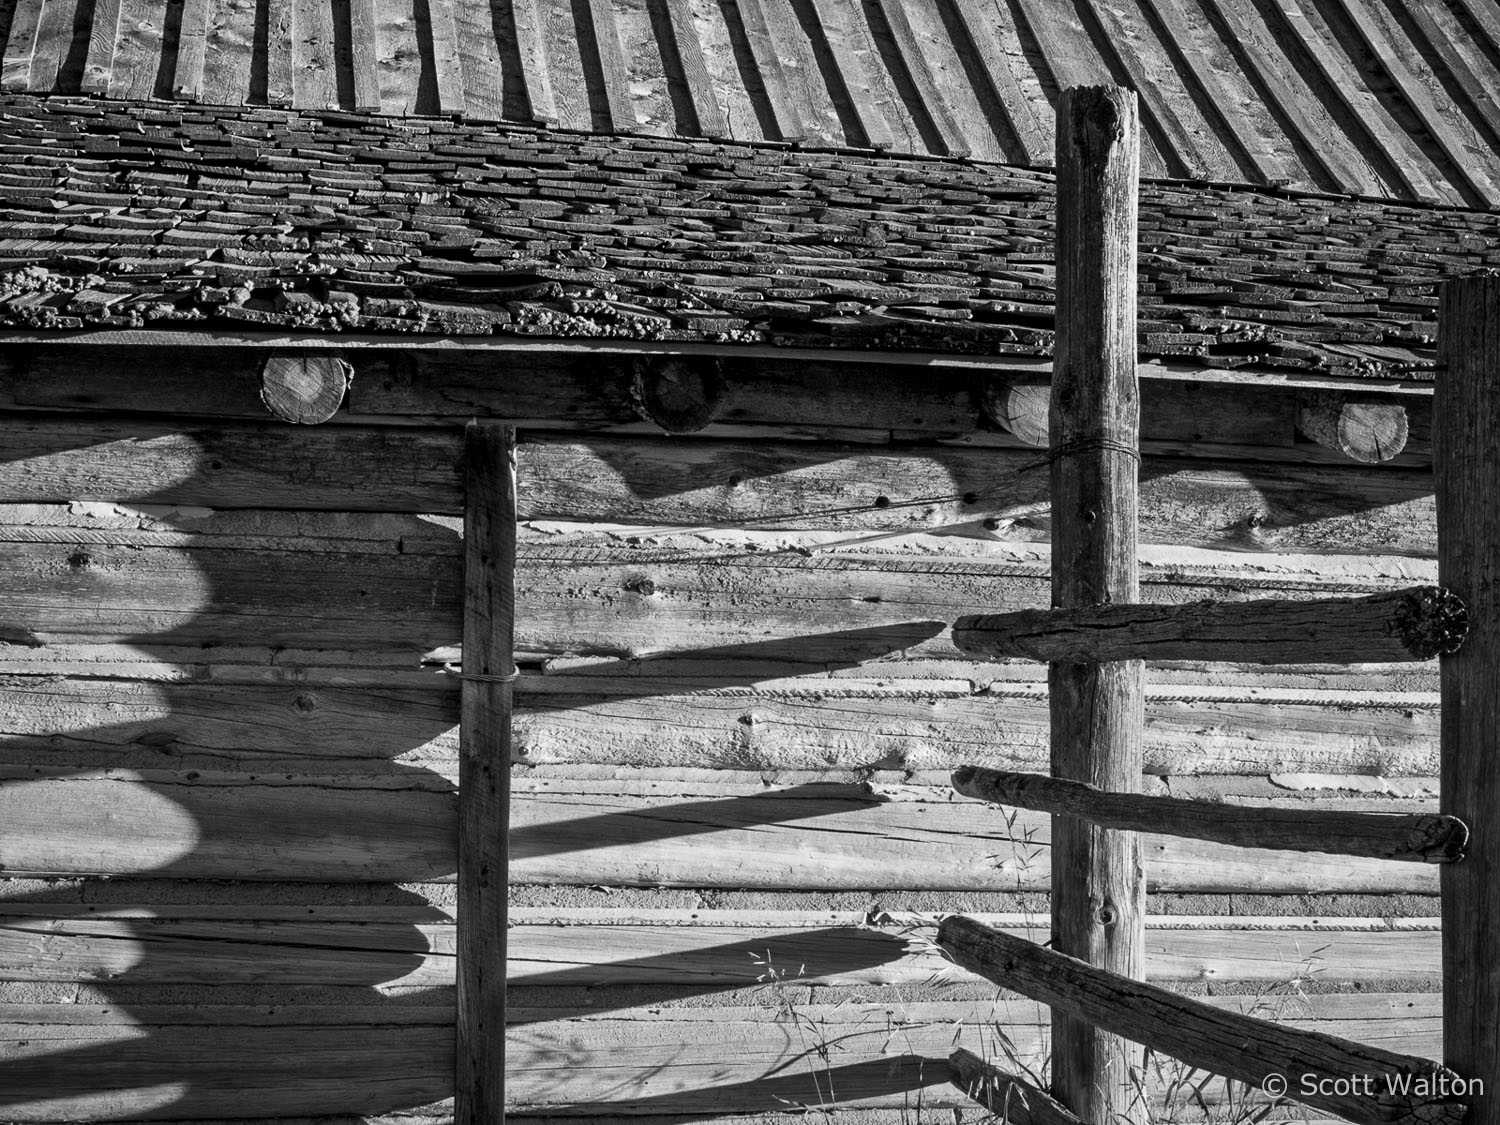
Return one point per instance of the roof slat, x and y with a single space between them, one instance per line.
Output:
364 55
612 66
100 63
445 57
281 16
1475 74
768 65
1073 61
26 21
1226 90
1408 163
314 80
708 117
1344 165
535 74
192 42
851 73
1391 56
978 18
952 134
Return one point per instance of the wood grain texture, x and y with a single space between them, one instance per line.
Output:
1220 1042
20 45
977 18
1466 410
851 71
803 835
611 63
314 55
1415 624
192 43
378 946
480 59
484 768
1415 839
305 389
282 28
1324 141
954 142
708 116
447 57
98 67
1364 429
1098 887
364 56
1463 57
532 53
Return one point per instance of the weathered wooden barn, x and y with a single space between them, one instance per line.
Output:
814 240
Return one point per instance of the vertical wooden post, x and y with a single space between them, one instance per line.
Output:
1097 710
1466 436
484 769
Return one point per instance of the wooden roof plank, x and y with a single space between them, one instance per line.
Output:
1462 57
314 81
1226 91
768 65
1486 16
1072 58
612 69
447 67
192 43
1344 165
853 75
1193 141
137 49
708 116
26 21
531 49
281 30
955 143
977 17
1392 57
1411 167
364 55
99 65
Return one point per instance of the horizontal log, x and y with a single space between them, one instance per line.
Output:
734 596
1008 1096
544 387
1416 838
1401 625
695 952
1366 428
985 493
1386 1087
400 828
650 1062
733 720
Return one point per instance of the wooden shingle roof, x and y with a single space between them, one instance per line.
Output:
117 215
1392 98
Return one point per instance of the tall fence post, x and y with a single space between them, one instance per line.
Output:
484 769
1098 890
1466 434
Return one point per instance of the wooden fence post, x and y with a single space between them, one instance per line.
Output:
1466 432
484 769
1098 890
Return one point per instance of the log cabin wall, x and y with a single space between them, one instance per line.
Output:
227 738
731 825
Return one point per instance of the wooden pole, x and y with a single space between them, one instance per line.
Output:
1098 710
306 389
484 769
1363 1083
1009 1097
1466 460
1412 624
1414 837
1365 428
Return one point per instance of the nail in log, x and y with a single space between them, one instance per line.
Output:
484 769
1098 891
1466 461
